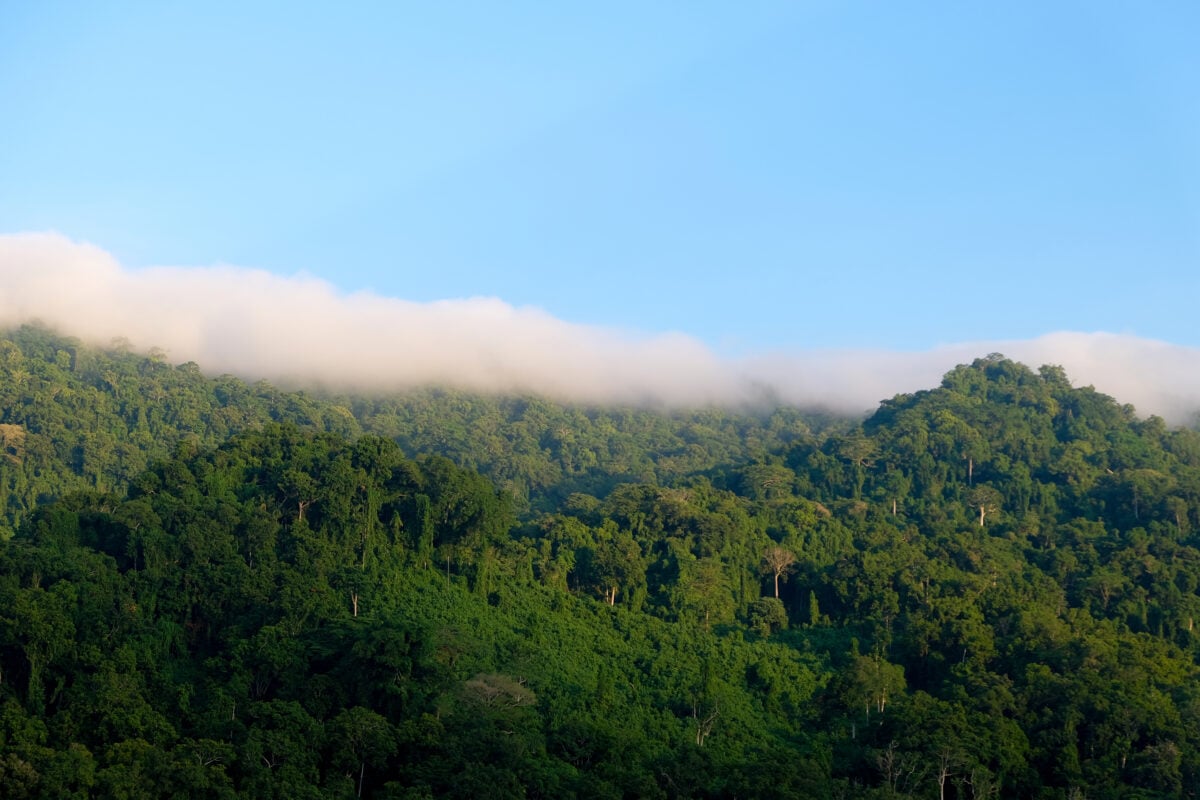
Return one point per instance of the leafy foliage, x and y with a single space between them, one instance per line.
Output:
986 589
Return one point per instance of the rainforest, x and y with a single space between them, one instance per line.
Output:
212 588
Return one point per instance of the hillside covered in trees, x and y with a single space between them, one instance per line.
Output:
210 588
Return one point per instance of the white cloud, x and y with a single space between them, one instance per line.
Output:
300 330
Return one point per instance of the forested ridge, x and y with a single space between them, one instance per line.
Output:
210 588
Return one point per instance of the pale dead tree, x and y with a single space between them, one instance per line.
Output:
946 764
704 726
260 683
778 561
983 785
208 752
1179 508
985 500
899 770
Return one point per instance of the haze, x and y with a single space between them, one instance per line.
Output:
300 330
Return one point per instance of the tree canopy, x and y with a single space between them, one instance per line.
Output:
208 588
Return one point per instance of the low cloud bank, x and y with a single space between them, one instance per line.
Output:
302 331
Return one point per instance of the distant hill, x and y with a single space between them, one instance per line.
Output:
77 416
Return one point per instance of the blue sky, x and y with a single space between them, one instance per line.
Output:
763 177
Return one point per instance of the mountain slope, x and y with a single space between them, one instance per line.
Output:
988 588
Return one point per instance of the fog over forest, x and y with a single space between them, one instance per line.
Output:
303 331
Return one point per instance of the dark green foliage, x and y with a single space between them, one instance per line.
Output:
74 417
219 590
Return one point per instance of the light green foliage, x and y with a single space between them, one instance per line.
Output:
767 615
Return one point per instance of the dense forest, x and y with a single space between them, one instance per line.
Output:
210 588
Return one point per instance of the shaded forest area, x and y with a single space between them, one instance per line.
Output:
210 588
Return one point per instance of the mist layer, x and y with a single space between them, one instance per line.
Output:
297 330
